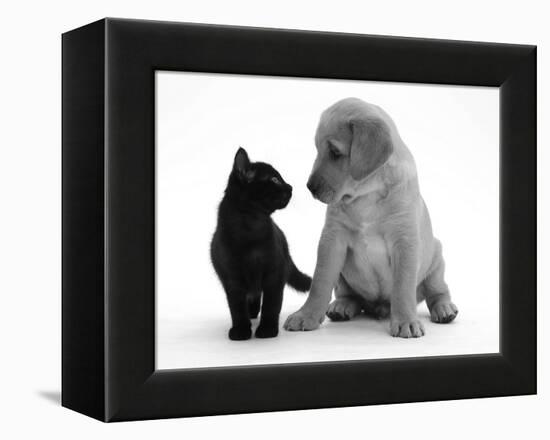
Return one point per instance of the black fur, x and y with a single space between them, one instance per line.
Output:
249 251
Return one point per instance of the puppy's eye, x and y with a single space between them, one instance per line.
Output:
275 181
334 153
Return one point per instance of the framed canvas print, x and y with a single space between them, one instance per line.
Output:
264 219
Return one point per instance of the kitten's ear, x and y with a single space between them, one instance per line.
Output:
242 164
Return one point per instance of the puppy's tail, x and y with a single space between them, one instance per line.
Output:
298 280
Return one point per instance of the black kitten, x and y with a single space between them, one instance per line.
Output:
249 251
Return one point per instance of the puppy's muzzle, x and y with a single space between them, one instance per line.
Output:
319 189
313 185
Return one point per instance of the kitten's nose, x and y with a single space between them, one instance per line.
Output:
289 191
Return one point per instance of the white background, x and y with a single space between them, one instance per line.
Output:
30 222
453 133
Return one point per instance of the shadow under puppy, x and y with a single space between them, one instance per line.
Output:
249 252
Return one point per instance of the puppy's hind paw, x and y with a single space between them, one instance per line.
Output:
343 309
443 312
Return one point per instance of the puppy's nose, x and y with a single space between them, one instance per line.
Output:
311 186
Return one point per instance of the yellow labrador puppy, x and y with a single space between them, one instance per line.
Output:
377 250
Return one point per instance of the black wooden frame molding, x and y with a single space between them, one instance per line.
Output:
109 219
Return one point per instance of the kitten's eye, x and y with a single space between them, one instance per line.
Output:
275 181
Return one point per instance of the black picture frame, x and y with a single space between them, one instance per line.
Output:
108 298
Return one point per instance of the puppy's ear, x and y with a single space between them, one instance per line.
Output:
371 146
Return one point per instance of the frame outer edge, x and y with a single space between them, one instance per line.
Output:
134 390
83 343
519 235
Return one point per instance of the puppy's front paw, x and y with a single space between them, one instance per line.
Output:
443 312
303 320
240 333
411 328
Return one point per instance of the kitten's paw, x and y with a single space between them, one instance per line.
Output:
240 333
302 320
443 312
408 328
267 331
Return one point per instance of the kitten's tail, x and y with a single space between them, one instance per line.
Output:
298 280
